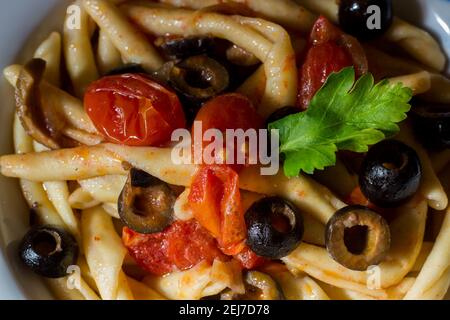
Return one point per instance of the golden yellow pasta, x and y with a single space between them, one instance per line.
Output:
108 57
78 52
104 252
129 41
50 50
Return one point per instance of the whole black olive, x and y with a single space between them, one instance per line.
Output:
49 251
199 78
128 68
390 174
365 19
432 125
282 113
183 47
146 203
357 237
274 227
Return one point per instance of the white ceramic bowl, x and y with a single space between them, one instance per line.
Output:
23 25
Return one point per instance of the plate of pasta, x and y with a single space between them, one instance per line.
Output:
227 150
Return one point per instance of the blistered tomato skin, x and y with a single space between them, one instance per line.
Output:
330 50
180 247
216 204
134 110
228 111
321 60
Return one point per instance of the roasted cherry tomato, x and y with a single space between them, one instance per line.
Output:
134 110
330 50
180 247
229 111
216 203
321 60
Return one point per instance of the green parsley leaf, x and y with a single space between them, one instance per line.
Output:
343 115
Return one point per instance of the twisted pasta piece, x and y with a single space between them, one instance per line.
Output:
434 276
267 41
104 253
292 14
284 12
133 45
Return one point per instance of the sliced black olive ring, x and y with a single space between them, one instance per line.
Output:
146 203
274 227
390 173
49 251
258 286
199 78
183 47
356 237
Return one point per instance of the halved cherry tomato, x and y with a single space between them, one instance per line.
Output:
330 50
180 247
229 111
216 203
134 110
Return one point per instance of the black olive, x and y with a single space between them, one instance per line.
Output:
432 125
282 113
390 174
183 47
49 251
128 68
357 18
146 203
258 286
199 78
357 237
274 227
